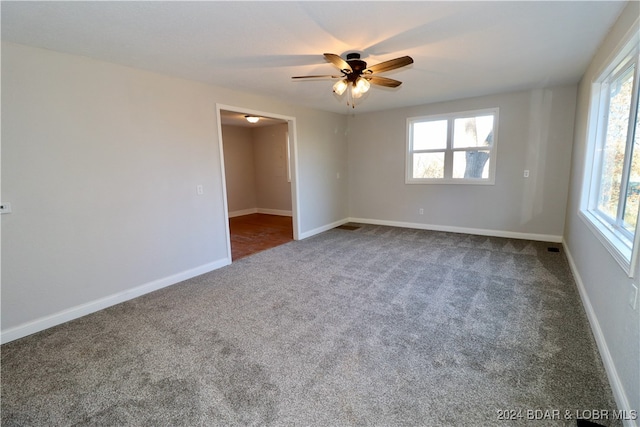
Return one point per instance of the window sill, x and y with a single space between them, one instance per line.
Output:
611 240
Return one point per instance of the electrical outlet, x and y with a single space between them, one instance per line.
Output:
633 296
526 173
199 190
421 211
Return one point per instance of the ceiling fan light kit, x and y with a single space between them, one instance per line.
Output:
357 77
360 87
340 86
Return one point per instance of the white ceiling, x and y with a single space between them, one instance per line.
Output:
460 49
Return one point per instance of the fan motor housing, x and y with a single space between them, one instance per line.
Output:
356 64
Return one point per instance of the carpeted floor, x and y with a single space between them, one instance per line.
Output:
372 326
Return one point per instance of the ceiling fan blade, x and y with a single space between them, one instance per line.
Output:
390 65
383 81
338 62
327 76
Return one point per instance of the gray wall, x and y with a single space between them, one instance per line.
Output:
239 168
101 164
273 191
535 132
604 285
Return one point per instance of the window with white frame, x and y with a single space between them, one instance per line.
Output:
614 176
455 148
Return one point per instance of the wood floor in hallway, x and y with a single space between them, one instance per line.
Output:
257 232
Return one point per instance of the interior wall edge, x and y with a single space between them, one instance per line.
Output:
464 230
249 211
278 212
243 212
322 229
617 387
81 310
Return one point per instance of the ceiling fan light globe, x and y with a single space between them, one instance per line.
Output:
340 86
363 85
360 87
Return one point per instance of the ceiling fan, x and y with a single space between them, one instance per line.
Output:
356 74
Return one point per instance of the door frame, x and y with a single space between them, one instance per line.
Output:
293 159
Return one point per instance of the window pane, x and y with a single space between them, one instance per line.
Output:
430 135
428 165
633 188
471 164
473 132
615 143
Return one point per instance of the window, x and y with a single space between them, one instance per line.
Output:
458 148
614 177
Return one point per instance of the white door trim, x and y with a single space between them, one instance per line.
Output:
293 141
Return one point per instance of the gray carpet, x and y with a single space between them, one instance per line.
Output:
373 326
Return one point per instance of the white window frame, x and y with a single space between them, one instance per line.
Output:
449 150
621 244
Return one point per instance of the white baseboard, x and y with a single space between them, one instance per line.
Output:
275 212
451 229
102 303
323 228
250 211
243 212
612 374
465 230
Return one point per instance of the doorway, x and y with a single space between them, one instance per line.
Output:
259 180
